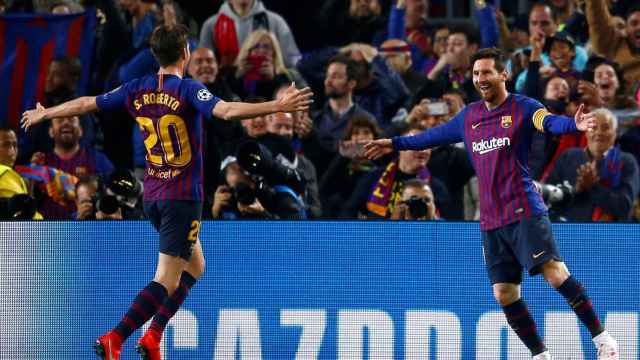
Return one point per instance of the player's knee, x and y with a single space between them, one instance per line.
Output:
170 283
196 268
555 273
506 295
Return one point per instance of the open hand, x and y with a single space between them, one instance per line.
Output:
377 148
585 122
32 117
295 100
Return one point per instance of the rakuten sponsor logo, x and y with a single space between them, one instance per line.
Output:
485 146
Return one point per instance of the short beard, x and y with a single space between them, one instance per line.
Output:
335 95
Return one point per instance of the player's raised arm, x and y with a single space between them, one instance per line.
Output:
75 107
545 121
293 100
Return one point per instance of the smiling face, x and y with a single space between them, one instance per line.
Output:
557 89
561 55
488 81
607 81
633 29
203 66
66 132
603 135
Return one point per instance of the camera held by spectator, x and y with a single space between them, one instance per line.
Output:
278 187
118 199
416 202
556 196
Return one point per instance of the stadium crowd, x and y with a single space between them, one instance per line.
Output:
378 69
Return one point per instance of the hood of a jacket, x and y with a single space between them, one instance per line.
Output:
257 8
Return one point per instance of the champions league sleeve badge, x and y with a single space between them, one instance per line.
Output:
204 95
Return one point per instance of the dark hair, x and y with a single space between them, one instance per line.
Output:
6 129
72 65
362 121
469 31
88 180
255 99
58 96
408 127
168 42
348 62
632 9
496 54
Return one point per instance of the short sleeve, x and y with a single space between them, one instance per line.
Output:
114 99
202 99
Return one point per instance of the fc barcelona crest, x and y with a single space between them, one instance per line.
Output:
506 122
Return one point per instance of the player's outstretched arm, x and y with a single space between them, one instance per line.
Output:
79 106
293 100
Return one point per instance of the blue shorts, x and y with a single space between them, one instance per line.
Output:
177 222
527 244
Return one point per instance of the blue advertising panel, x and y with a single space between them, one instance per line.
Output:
307 290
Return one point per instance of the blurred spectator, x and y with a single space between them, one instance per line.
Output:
65 7
397 53
348 166
8 147
69 156
63 72
609 82
630 141
38 139
562 10
449 163
546 147
3 6
416 202
636 211
453 69
13 188
220 136
377 193
408 21
341 22
331 121
605 179
282 124
541 22
86 198
379 89
225 200
259 67
143 17
143 62
561 48
228 30
609 43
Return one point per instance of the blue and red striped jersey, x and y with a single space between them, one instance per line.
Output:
169 111
498 143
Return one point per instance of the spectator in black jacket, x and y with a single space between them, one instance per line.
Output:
349 166
342 22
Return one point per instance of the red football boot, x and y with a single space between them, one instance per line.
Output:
149 345
108 346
